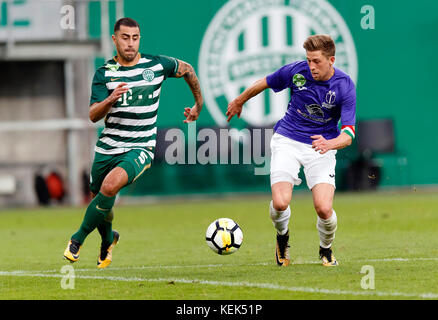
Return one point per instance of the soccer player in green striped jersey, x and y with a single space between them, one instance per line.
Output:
125 92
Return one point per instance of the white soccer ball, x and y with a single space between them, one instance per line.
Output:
224 236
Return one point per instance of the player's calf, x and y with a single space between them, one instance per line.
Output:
280 220
326 230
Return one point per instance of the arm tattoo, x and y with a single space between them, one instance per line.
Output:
186 70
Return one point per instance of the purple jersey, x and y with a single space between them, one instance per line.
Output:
315 107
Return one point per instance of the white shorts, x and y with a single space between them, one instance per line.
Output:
287 157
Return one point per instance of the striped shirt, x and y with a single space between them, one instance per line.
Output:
131 122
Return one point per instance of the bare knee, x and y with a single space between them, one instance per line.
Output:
280 204
323 200
281 195
109 188
324 211
113 182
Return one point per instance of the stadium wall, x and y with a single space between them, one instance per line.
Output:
395 46
387 47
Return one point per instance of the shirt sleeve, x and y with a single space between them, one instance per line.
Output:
282 78
348 106
99 91
169 64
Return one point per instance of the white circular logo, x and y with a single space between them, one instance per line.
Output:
249 39
148 75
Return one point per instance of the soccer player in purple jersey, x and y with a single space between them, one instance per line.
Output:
307 136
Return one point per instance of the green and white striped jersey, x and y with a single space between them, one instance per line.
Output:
131 122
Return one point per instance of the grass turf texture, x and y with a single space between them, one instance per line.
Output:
163 255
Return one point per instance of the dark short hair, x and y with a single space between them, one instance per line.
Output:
127 22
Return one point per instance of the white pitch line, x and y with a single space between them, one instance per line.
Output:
235 265
400 259
162 267
235 284
260 264
181 267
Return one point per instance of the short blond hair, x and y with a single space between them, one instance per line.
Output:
321 42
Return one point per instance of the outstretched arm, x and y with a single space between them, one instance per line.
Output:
235 106
186 70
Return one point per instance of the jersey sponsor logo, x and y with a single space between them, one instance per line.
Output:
315 113
148 75
315 110
114 79
249 39
125 97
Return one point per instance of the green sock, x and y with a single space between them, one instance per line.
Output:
105 229
98 209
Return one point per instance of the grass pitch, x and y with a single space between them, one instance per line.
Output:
162 253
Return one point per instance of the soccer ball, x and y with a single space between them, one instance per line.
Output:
224 236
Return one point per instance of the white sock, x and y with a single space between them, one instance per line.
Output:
326 229
280 219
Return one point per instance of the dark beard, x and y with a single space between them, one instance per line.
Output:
128 59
